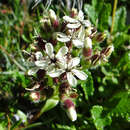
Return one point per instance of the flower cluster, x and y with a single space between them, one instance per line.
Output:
70 44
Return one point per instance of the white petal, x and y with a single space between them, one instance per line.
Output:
62 37
73 62
78 43
71 79
62 63
55 73
69 19
38 55
36 86
80 74
88 31
50 68
62 52
49 49
81 33
80 15
88 43
41 63
87 23
74 25
33 71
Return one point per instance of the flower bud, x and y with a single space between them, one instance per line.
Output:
52 15
87 52
74 12
95 60
70 109
35 96
100 37
107 51
88 42
55 23
46 23
53 18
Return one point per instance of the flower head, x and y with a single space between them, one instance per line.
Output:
69 67
77 22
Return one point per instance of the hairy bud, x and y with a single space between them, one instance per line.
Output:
107 51
70 109
100 37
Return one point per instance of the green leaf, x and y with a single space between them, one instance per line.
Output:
98 5
25 38
88 86
120 19
124 63
120 104
99 120
90 11
120 39
51 102
22 116
1 127
104 17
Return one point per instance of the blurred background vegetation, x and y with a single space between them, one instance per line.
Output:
103 104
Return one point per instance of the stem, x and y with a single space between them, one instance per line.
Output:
113 15
11 57
9 124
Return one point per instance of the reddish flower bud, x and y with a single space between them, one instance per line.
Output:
55 23
70 109
87 52
74 12
35 96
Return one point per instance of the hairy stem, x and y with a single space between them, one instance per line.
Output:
113 15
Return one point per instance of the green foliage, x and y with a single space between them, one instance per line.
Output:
122 105
106 86
100 120
99 12
51 102
87 86
120 19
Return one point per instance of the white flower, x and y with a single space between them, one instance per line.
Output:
73 71
77 38
40 63
70 69
50 61
76 23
